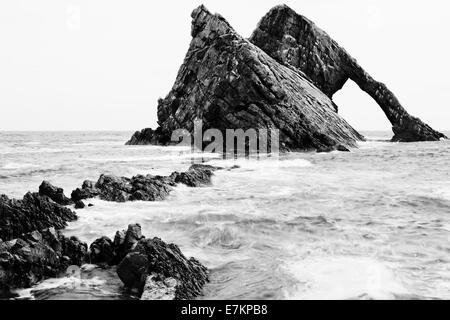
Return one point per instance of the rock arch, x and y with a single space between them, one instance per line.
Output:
294 40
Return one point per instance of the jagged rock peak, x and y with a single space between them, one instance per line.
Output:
294 40
201 16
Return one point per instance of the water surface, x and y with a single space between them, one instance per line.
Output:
370 224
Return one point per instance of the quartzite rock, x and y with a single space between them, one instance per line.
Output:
229 83
293 40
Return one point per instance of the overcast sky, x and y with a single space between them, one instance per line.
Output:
102 64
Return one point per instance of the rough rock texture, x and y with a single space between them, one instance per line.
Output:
143 188
87 191
54 193
106 251
196 176
296 41
149 266
154 257
36 256
79 205
229 83
34 212
102 251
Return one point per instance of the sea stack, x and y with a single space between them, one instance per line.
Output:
283 78
294 40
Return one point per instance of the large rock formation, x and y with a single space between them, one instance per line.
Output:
283 78
229 83
293 40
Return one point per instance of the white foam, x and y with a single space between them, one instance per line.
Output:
335 278
271 163
70 282
14 166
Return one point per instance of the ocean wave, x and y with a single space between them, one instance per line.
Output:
217 236
15 166
264 163
343 277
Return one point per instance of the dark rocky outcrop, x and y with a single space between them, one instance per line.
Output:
143 188
36 256
149 136
87 191
32 247
167 268
34 212
102 251
106 251
79 205
146 266
229 83
196 176
150 266
293 40
54 193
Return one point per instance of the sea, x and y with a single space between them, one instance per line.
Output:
373 223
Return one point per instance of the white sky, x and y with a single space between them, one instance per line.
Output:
102 64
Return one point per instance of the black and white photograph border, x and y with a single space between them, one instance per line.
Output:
269 163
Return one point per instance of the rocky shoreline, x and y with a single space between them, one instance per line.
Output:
33 248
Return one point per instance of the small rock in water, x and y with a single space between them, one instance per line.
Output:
157 289
79 205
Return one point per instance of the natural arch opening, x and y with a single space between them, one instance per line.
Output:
362 112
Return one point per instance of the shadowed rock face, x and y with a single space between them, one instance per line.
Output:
33 212
294 40
36 256
229 83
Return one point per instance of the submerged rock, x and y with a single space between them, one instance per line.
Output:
295 41
34 212
229 83
54 193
